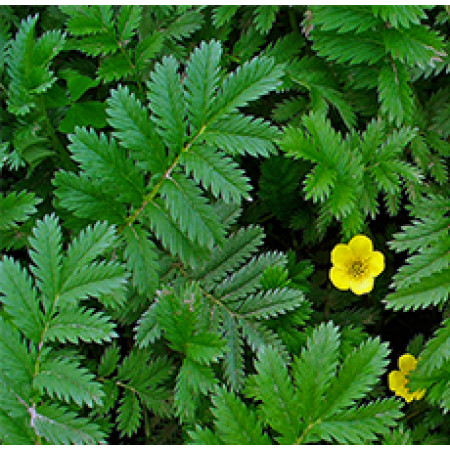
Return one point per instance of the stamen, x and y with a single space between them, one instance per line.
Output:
358 268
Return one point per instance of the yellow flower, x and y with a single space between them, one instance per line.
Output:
397 378
356 265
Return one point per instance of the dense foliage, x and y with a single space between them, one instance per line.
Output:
174 180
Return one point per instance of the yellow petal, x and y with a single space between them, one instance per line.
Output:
419 394
341 256
406 363
396 381
408 397
376 264
339 278
361 246
360 286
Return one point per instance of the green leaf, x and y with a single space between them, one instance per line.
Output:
85 20
417 45
223 14
86 199
17 365
436 351
99 278
65 379
46 254
104 161
204 436
185 25
129 414
202 81
247 279
235 422
109 360
239 247
358 374
83 114
204 347
147 329
344 19
80 324
20 299
28 65
239 134
128 21
16 207
234 355
193 379
90 243
430 291
171 236
115 67
216 171
60 426
360 425
272 386
142 259
400 16
12 430
148 48
366 47
191 211
77 84
167 103
395 93
270 303
315 368
135 131
265 17
250 81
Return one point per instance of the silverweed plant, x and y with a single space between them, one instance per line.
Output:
224 225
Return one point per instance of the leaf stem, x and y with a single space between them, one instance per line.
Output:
149 197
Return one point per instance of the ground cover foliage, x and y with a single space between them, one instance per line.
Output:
174 179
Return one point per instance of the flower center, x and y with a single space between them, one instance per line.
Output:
358 269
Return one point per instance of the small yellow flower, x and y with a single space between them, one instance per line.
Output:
397 379
356 265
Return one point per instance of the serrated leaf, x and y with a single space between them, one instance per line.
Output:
315 368
141 259
60 426
20 299
80 324
135 131
66 380
16 207
129 414
167 103
191 211
202 80
46 254
204 347
235 422
216 171
270 303
273 387
171 236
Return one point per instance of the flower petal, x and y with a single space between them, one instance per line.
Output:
419 394
361 246
361 286
341 256
339 278
376 264
407 363
396 381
